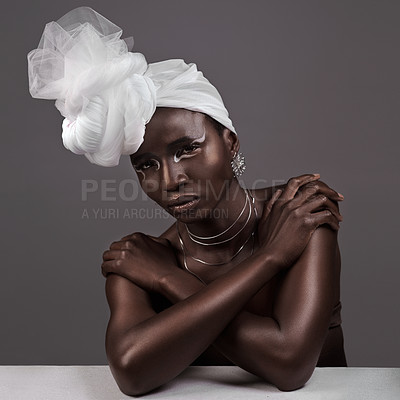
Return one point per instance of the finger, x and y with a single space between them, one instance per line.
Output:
122 244
317 187
268 207
325 217
107 267
320 202
111 255
295 183
127 237
331 193
116 245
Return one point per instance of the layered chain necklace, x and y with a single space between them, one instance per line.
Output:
250 202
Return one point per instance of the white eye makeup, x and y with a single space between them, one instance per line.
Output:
146 165
187 151
139 171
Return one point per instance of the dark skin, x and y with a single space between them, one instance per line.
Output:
268 310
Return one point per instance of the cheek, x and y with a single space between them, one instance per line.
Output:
216 164
213 173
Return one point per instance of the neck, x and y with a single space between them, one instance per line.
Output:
226 221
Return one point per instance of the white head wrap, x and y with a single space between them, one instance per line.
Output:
106 93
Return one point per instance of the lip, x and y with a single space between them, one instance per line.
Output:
183 203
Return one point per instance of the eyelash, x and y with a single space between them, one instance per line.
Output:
145 165
185 150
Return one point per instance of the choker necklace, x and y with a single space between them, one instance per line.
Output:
232 237
185 252
192 235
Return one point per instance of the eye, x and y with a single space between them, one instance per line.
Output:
186 150
147 164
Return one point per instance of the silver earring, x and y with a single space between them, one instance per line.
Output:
238 164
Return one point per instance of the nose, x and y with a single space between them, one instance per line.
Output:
173 176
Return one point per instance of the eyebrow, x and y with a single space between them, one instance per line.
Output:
183 139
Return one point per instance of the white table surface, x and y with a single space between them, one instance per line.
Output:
205 383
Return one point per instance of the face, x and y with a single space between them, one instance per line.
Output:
184 163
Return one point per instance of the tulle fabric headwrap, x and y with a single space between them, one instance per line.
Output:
106 93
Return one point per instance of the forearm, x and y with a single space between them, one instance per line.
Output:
255 343
284 349
179 285
289 343
159 348
238 337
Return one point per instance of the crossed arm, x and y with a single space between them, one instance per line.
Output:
146 349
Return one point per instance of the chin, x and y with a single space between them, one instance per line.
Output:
199 214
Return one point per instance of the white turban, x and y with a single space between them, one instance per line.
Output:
106 93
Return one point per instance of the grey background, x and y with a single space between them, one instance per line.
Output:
311 86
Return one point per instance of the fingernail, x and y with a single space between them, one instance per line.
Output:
317 175
340 195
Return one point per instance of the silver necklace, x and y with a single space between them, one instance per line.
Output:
192 235
232 237
194 274
185 252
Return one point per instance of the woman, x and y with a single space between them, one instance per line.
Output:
244 277
267 310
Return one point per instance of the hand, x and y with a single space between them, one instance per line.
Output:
317 187
141 258
293 214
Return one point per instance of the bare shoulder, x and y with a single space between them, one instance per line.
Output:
323 250
324 239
